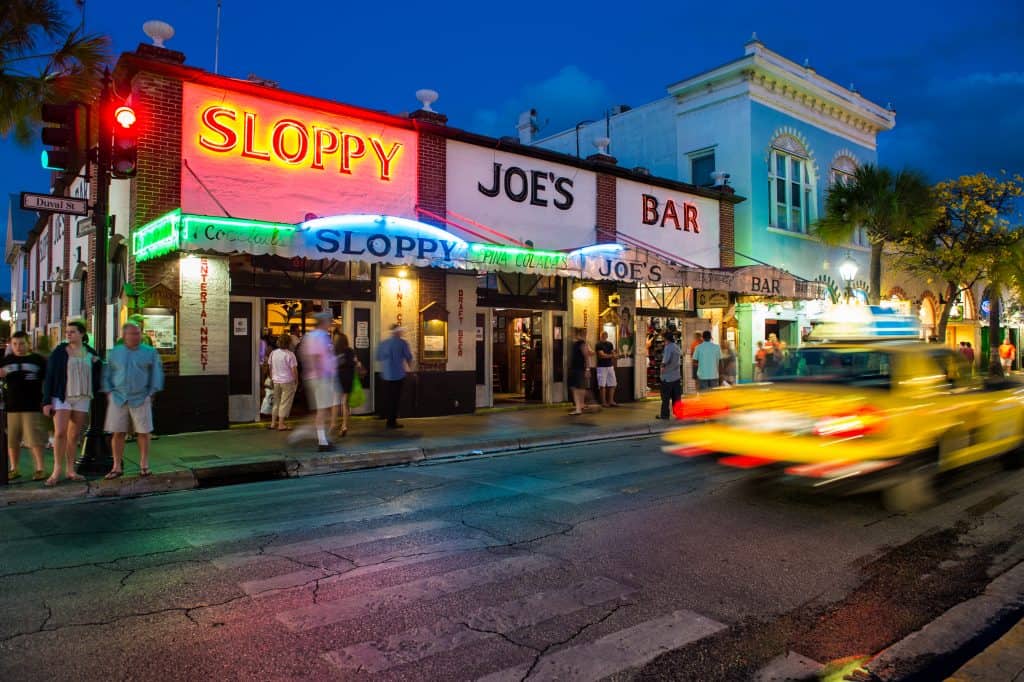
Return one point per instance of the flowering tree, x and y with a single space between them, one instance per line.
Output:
977 236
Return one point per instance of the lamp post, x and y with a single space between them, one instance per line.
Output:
848 271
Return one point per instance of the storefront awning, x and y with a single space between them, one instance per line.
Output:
389 240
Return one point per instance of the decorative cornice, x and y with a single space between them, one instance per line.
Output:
777 82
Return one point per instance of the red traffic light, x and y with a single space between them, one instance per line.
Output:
125 116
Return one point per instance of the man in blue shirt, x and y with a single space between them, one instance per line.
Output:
395 360
671 386
133 374
707 356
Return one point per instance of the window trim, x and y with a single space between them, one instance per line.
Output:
807 209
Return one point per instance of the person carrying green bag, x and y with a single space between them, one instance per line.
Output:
351 389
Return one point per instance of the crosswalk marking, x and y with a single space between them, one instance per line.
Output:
424 589
616 652
451 633
329 543
365 565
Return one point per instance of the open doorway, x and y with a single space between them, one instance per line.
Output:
517 356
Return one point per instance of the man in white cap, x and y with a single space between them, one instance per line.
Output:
319 368
395 360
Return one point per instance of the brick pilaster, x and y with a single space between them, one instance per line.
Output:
727 233
607 212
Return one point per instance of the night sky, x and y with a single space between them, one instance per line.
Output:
954 75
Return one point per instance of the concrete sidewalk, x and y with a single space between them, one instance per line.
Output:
250 452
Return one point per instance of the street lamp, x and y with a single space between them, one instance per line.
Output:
848 270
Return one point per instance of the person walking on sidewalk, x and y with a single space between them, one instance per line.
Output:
134 373
606 382
24 372
395 360
579 361
671 388
347 364
284 373
319 372
707 356
73 372
1007 352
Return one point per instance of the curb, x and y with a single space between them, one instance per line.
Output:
286 465
953 638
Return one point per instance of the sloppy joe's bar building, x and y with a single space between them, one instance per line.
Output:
255 207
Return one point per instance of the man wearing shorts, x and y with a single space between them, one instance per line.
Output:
606 382
319 373
133 374
24 373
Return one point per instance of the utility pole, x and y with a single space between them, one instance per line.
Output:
96 455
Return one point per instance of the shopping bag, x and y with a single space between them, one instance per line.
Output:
356 397
268 403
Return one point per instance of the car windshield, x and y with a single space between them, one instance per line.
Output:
847 366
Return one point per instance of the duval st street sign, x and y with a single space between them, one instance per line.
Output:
51 204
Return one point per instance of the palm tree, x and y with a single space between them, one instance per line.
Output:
885 204
43 60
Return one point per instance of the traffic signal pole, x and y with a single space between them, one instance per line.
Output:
96 455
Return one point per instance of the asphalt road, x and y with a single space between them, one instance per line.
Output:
605 560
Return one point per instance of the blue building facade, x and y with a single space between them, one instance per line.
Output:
780 134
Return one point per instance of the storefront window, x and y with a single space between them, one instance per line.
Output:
299 278
659 298
506 289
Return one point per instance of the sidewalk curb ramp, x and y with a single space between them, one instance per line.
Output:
213 472
959 634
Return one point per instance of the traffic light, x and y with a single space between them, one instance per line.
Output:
61 134
124 149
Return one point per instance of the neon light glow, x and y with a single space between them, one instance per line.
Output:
157 237
597 248
381 223
485 249
302 159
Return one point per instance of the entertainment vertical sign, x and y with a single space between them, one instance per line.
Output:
204 316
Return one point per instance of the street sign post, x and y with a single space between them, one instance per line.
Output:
51 204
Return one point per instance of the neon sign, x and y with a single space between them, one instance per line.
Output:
292 142
271 160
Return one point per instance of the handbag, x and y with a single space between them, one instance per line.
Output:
356 396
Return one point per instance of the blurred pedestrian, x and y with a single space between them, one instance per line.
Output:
1007 354
969 354
133 374
24 372
707 355
728 365
606 381
671 389
395 360
73 372
347 365
319 369
759 361
579 361
284 373
697 340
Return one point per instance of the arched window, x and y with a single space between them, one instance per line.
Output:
843 168
790 185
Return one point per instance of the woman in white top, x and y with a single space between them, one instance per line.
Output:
72 374
284 374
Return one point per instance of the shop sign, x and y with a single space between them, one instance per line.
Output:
203 339
260 157
461 305
679 225
712 299
763 280
525 198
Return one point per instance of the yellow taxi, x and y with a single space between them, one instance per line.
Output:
865 408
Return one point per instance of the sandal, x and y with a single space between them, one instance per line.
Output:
39 475
11 475
145 471
284 428
51 481
112 475
76 477
270 426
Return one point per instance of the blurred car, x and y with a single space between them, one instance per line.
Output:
866 410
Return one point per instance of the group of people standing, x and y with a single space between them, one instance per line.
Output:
329 370
63 386
770 357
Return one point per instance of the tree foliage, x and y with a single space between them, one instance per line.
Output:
887 205
42 59
976 237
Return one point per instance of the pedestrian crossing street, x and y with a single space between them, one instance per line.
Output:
410 563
